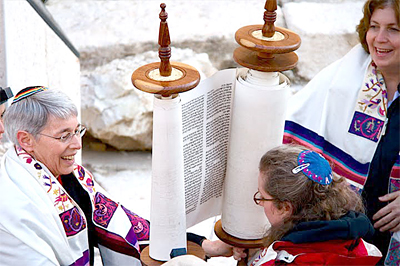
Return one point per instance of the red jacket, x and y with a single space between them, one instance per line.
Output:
332 252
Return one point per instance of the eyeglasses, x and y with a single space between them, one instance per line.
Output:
79 132
258 198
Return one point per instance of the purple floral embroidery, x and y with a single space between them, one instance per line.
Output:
24 155
89 184
371 103
72 221
394 184
37 166
50 182
104 210
393 256
141 226
373 97
366 126
81 172
84 260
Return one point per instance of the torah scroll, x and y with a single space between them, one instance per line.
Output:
229 121
168 220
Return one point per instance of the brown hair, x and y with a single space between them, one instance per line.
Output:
369 7
310 201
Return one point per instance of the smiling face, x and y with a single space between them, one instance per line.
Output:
274 215
383 39
56 155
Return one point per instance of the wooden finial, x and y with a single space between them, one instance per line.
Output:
164 51
268 29
165 78
265 47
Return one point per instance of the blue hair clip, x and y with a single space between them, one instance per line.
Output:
314 166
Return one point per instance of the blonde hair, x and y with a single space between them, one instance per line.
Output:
310 201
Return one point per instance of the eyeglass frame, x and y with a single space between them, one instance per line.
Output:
258 200
79 132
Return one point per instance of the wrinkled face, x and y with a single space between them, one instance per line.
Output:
383 39
58 157
274 215
2 110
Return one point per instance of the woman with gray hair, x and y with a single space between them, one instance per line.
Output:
56 213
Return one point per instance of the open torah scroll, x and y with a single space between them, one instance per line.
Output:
229 121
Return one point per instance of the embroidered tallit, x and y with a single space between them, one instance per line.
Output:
42 225
341 114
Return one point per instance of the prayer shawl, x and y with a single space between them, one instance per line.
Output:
42 225
341 114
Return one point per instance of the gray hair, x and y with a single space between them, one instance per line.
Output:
32 113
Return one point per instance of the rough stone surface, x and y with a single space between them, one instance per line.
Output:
117 113
115 37
34 54
327 31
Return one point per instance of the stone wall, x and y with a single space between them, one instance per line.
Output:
116 37
32 54
35 54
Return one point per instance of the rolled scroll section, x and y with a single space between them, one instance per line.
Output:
168 217
257 126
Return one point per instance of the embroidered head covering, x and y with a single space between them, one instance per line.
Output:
24 93
314 166
5 94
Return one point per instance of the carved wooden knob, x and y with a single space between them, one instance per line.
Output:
164 51
268 29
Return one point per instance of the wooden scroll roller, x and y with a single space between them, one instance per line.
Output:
265 50
167 214
165 78
265 47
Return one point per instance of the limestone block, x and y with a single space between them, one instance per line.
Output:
115 37
94 23
114 111
35 55
327 31
106 30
